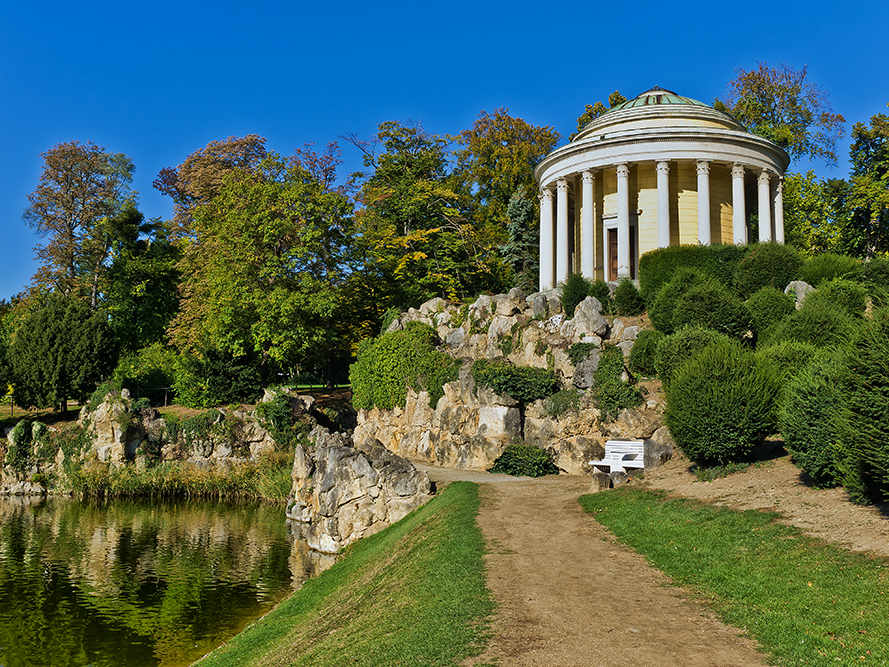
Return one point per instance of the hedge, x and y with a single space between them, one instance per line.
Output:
657 267
766 265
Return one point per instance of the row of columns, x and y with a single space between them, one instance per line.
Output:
549 279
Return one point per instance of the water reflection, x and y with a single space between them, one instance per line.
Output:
138 583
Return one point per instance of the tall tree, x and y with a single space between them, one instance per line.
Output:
521 250
814 213
80 192
780 104
869 186
593 111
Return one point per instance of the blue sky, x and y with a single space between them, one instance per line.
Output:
159 80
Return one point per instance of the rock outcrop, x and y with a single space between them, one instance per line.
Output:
342 493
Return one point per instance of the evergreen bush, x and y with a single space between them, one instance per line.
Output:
216 378
712 306
677 348
768 306
807 419
766 265
850 295
580 352
610 393
787 359
827 266
387 366
523 383
524 461
658 267
820 323
721 404
627 300
661 310
566 400
599 289
574 290
644 352
875 276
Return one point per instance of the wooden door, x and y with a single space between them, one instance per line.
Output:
612 254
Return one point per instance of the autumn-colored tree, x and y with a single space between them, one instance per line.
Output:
780 104
198 179
593 111
81 191
869 186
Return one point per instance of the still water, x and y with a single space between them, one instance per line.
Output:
136 583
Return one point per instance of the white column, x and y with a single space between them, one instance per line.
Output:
546 240
765 205
587 227
739 214
779 211
561 231
623 221
663 204
703 202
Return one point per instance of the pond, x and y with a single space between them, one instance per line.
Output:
138 583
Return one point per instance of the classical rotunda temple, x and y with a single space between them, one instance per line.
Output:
655 171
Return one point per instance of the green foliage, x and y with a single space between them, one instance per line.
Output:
388 318
875 276
658 267
820 323
627 300
863 426
216 378
807 418
278 418
766 265
721 404
387 366
61 350
522 246
579 352
524 461
768 306
786 360
661 310
714 307
523 383
575 289
152 367
677 348
610 393
566 400
827 266
644 352
850 295
18 449
599 289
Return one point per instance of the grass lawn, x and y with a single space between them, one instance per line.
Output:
805 601
413 594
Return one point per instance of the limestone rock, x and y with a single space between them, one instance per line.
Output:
601 481
588 318
538 305
585 371
618 478
617 329
629 334
799 289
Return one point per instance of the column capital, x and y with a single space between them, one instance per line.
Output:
562 185
623 170
589 176
764 176
545 193
703 167
737 170
663 167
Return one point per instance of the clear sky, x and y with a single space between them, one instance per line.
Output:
158 80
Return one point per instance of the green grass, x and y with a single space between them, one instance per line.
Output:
804 600
413 594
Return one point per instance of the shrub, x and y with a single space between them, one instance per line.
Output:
827 266
712 306
216 378
850 295
820 323
863 426
675 349
388 366
579 352
278 418
610 393
658 267
521 460
523 383
721 404
599 289
875 276
807 419
18 448
566 400
661 311
768 306
574 290
766 265
388 318
627 300
152 367
642 356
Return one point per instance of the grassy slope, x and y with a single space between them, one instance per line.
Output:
411 594
804 600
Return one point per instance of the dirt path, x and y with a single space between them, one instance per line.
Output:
569 596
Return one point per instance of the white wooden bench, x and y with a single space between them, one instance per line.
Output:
620 454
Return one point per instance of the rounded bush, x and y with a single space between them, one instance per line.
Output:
807 419
850 295
827 266
766 265
599 289
721 404
710 305
661 311
642 356
875 276
574 290
522 460
820 323
627 300
658 267
675 349
768 306
523 383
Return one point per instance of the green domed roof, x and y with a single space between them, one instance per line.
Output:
657 95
